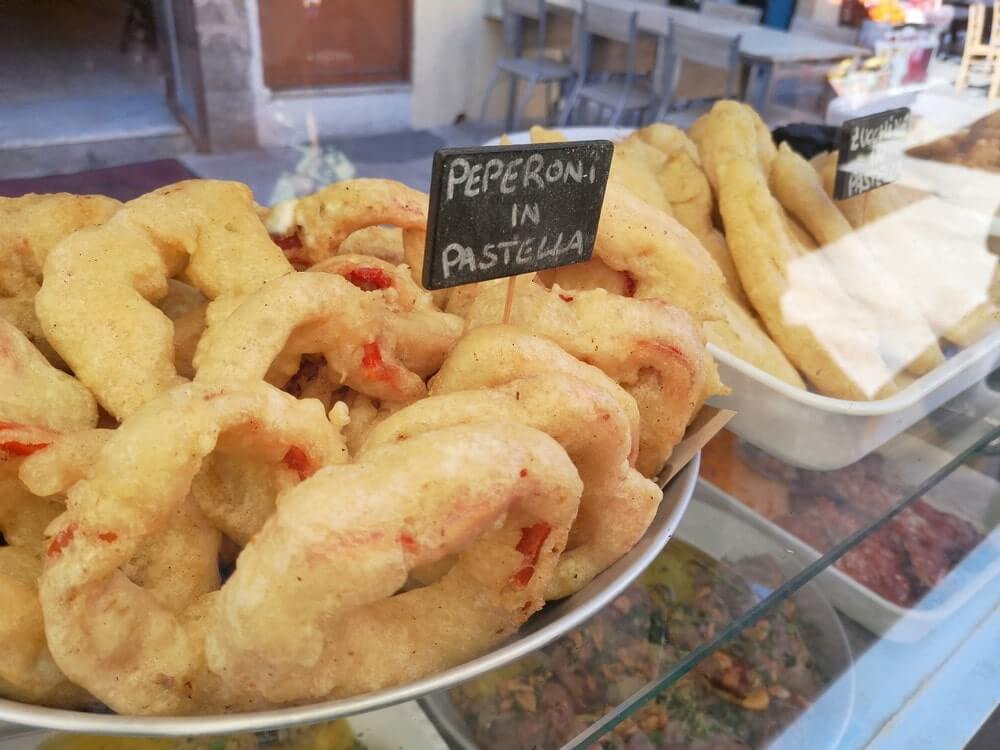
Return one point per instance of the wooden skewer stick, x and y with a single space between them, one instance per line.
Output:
510 299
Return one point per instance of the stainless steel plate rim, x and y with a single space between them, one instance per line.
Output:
553 621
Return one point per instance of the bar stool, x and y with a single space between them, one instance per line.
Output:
712 49
977 51
535 68
620 94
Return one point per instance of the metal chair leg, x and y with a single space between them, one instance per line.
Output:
511 101
570 104
616 114
669 86
531 84
494 79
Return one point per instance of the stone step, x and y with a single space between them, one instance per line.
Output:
65 158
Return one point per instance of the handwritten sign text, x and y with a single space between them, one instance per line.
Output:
506 210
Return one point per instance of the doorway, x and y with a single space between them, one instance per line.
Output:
79 79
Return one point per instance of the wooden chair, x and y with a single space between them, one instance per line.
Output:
625 92
827 31
532 66
977 51
731 12
709 48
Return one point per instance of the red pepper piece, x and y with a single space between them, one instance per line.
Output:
15 448
523 576
369 279
290 242
630 284
297 460
61 540
532 539
375 367
408 542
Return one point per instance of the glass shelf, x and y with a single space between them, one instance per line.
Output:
697 660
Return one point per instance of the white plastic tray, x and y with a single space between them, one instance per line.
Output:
966 493
822 433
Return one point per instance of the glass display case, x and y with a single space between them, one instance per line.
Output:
812 196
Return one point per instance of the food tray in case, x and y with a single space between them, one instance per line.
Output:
821 433
966 494
554 620
726 536
807 429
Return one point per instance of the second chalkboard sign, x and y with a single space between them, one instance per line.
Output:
870 152
501 211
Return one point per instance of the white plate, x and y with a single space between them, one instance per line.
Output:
554 620
581 133
395 728
725 536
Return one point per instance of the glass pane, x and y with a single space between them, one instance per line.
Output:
733 645
214 203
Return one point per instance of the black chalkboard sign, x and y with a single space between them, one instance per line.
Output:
869 155
500 211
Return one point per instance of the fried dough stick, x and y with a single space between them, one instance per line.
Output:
690 196
830 339
905 338
868 209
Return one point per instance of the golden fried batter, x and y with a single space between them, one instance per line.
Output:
690 196
831 340
30 226
905 338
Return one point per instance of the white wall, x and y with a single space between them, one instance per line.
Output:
454 48
824 11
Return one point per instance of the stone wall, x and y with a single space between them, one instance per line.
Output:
455 47
224 37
